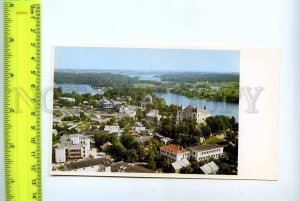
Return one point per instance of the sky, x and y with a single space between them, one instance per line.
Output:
147 59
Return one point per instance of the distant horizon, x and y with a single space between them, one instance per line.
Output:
146 71
146 59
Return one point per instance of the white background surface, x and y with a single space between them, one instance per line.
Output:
252 23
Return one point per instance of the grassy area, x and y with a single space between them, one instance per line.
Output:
213 140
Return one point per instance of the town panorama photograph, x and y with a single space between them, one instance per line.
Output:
145 110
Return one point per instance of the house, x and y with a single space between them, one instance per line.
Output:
191 113
140 129
207 151
174 152
90 165
73 146
153 117
146 101
126 112
106 104
142 139
210 168
177 165
113 129
129 168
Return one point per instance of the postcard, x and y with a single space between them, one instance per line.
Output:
172 112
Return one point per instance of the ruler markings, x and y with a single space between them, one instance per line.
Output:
22 155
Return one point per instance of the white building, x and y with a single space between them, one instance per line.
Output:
174 152
126 112
153 116
191 113
112 129
74 146
147 101
207 151
139 129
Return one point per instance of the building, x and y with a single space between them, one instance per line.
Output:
129 168
147 101
90 165
207 151
72 147
174 152
191 113
126 112
139 129
177 165
106 104
210 168
153 116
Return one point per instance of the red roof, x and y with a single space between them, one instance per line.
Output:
173 148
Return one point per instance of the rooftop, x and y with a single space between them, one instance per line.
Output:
173 148
88 163
204 147
153 113
130 168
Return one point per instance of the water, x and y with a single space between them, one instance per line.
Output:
214 107
79 88
151 77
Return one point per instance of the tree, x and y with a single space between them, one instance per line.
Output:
167 127
139 114
104 137
118 150
205 130
128 141
131 156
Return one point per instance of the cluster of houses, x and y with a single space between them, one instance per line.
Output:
74 150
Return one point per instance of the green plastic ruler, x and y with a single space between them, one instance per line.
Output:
22 100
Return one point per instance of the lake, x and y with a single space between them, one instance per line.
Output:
214 107
79 88
151 77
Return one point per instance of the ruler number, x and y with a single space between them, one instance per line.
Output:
33 127
33 168
33 154
11 110
33 140
33 182
34 196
